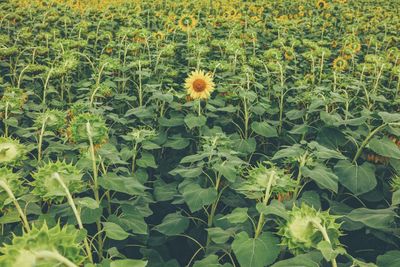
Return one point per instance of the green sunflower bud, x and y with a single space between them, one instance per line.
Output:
78 129
263 177
53 119
49 188
11 151
14 98
306 228
43 247
14 183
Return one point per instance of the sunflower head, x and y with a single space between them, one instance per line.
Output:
13 181
11 151
264 176
321 4
14 98
340 64
48 187
22 250
159 36
78 131
78 108
53 119
301 234
187 23
199 85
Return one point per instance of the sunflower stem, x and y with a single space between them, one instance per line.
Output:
5 120
140 85
9 192
75 211
199 108
366 140
261 219
46 254
40 142
95 187
325 235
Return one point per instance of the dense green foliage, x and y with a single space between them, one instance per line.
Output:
288 155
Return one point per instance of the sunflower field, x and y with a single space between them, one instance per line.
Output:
200 133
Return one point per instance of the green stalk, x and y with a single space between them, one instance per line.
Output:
135 147
298 179
261 219
75 211
199 108
54 255
9 192
213 208
365 142
40 142
281 100
326 238
5 120
95 187
140 85
45 87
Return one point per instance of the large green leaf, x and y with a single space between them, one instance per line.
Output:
289 152
323 176
359 179
128 185
374 218
173 224
193 121
384 147
128 263
219 235
322 152
114 231
256 252
389 259
197 197
238 215
312 259
264 129
389 117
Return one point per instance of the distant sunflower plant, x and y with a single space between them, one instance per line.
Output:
187 23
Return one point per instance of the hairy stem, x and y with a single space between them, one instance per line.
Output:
261 219
54 255
75 211
9 192
95 186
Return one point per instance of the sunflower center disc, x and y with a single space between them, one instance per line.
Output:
199 85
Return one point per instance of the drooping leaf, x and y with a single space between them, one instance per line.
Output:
114 231
173 224
384 147
323 176
127 185
264 129
238 215
374 218
289 152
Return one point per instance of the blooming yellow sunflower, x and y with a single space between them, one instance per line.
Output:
187 23
199 85
321 4
340 64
